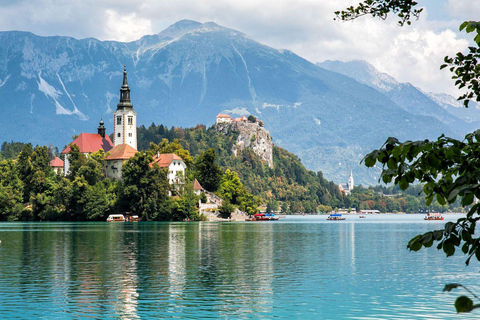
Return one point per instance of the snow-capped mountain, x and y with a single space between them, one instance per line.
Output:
54 87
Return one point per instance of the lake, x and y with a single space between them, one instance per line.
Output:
301 267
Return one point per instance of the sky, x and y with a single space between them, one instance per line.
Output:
410 54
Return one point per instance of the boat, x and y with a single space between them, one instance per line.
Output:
433 216
335 216
362 217
116 218
132 219
263 217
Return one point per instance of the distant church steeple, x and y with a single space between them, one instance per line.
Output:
350 181
125 118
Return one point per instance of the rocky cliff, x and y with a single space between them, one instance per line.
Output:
250 135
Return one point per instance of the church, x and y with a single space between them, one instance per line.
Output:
347 187
124 145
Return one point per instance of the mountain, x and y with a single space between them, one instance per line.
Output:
54 87
456 108
443 107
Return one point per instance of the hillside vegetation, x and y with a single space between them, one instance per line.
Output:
287 182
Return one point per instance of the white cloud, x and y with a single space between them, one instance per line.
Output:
126 27
306 27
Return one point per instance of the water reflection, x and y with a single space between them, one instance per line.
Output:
211 270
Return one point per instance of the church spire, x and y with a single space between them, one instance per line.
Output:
124 92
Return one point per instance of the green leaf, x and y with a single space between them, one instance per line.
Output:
455 240
441 200
415 246
466 236
429 200
448 248
427 237
438 234
449 227
448 287
467 199
453 194
403 184
369 161
463 304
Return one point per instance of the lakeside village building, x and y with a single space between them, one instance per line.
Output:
124 145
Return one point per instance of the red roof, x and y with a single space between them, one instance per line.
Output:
57 163
221 115
197 186
91 142
121 152
163 160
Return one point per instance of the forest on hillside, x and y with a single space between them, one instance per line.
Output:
31 190
289 184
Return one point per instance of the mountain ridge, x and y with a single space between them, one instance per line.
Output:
64 86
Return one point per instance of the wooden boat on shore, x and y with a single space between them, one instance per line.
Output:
263 217
433 216
335 217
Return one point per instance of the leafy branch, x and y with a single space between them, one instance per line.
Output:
463 303
465 67
448 169
404 9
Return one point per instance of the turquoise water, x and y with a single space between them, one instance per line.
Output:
297 268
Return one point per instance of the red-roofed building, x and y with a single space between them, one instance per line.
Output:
116 159
224 118
89 143
197 187
176 166
242 119
57 165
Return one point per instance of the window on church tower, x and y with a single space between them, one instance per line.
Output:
118 135
119 119
130 134
130 120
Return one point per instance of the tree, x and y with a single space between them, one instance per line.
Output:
252 118
76 159
272 206
226 209
207 171
447 168
146 188
231 188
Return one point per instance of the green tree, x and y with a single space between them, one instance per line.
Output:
447 167
272 206
146 188
252 118
76 160
11 192
231 188
207 171
226 209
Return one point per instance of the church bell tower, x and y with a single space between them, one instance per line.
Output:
125 118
